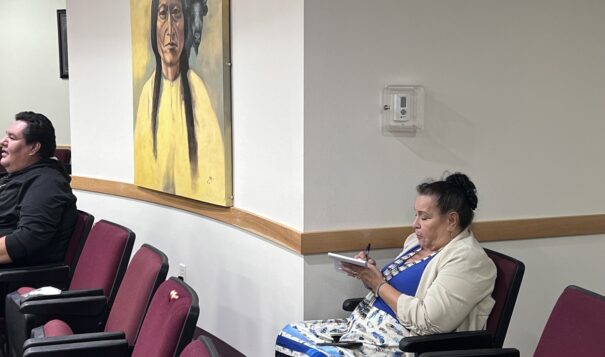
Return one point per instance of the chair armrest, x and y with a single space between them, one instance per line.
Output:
446 341
82 337
80 306
67 294
113 348
207 341
485 352
40 273
351 304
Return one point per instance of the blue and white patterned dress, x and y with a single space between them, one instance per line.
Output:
373 323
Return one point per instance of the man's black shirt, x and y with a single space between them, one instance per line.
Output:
37 213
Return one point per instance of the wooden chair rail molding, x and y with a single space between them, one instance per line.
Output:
344 240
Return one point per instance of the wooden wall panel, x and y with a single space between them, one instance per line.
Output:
344 240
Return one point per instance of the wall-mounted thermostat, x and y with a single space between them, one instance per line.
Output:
403 108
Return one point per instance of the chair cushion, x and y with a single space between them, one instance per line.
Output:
76 237
63 155
100 258
163 324
138 285
575 325
56 328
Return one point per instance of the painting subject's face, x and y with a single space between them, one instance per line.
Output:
170 32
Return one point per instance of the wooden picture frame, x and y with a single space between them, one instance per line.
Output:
62 34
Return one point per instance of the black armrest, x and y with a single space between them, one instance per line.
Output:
446 341
351 304
113 348
82 337
63 295
80 306
40 273
485 352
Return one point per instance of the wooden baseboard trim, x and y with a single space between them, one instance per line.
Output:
486 231
273 231
344 240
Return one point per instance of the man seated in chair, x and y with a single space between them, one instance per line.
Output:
37 207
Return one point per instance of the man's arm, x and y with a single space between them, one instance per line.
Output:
4 257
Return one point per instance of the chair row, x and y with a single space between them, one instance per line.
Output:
573 327
105 305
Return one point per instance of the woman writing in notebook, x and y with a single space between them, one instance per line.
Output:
441 282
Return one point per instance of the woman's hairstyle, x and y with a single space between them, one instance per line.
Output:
157 81
39 129
455 193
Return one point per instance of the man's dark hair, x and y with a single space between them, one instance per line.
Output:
39 129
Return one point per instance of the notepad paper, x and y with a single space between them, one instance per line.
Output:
338 259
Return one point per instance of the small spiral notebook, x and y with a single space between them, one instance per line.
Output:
338 258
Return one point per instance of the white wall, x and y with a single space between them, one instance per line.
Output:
101 89
514 98
267 53
514 93
248 287
30 64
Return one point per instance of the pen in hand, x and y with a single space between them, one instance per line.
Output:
367 251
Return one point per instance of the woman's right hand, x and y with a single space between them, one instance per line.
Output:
362 255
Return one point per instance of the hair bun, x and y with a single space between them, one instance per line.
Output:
466 185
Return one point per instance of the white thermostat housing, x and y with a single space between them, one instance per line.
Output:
402 108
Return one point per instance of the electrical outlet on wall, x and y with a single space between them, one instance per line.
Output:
182 271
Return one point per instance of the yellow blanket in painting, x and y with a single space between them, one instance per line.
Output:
170 170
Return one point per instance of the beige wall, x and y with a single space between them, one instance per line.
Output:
514 98
30 64
248 287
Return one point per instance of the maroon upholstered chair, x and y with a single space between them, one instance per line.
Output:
94 285
201 347
63 155
167 328
59 274
146 271
162 337
575 327
508 282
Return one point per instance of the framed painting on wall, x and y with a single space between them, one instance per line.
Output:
62 33
182 98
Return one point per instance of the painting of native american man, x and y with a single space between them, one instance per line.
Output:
181 83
